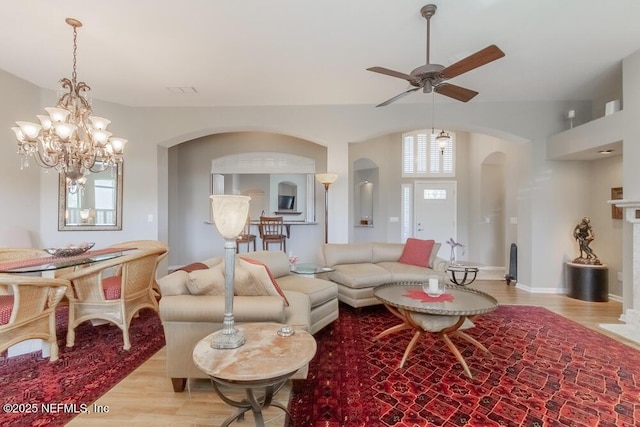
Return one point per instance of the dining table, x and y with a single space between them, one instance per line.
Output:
47 266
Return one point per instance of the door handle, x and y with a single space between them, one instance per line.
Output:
420 229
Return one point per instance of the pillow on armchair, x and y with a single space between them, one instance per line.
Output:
417 252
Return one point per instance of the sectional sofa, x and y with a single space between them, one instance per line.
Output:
360 267
189 311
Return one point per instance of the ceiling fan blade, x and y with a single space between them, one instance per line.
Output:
455 92
395 98
393 73
473 61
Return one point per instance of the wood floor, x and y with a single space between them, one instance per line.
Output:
145 398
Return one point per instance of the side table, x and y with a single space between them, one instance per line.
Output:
310 270
261 366
462 274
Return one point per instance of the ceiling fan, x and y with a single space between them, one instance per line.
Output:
431 77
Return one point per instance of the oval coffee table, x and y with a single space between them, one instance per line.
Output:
261 366
446 315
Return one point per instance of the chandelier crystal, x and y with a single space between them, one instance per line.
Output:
70 139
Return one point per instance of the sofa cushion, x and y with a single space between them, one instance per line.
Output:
360 275
417 252
262 275
347 253
277 261
386 251
209 281
252 279
434 254
174 283
319 291
408 273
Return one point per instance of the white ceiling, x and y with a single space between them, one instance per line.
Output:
297 52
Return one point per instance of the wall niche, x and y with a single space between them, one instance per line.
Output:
365 180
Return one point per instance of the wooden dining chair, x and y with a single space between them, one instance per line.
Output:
28 310
246 237
116 298
272 231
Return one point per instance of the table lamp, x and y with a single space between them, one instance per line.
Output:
229 215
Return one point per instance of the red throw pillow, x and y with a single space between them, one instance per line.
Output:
193 267
417 252
271 278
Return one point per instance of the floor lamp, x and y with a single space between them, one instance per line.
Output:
326 179
229 215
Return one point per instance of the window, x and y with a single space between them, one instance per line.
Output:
421 155
407 207
105 196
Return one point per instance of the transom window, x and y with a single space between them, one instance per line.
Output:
422 157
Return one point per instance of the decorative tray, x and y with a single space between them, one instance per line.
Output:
70 250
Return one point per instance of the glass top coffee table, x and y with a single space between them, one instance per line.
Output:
445 315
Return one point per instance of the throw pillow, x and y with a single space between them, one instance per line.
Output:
193 267
417 252
262 278
209 281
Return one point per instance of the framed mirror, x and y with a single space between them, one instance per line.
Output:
97 207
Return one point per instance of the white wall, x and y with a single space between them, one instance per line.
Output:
540 182
20 191
605 174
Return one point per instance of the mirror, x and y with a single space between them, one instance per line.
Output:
97 207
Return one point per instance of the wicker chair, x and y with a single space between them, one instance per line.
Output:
14 254
146 245
115 299
28 310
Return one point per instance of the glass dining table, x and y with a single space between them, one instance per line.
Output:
47 265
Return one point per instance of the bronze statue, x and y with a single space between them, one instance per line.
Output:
584 235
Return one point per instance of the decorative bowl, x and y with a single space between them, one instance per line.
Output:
70 250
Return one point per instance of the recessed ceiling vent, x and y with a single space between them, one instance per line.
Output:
182 89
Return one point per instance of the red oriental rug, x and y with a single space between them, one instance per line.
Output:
546 370
36 392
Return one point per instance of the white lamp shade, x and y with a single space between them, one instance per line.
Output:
29 130
99 122
64 130
229 213
326 178
118 144
58 114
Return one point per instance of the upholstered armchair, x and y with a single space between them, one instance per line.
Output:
116 298
28 310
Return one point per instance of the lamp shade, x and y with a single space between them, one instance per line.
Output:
229 213
326 178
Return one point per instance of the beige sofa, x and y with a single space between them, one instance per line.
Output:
360 267
187 318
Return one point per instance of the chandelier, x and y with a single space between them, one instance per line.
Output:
70 139
443 138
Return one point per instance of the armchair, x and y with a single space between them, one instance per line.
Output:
146 245
115 299
28 310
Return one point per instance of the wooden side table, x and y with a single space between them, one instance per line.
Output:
261 366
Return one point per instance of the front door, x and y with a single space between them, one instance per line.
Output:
435 213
